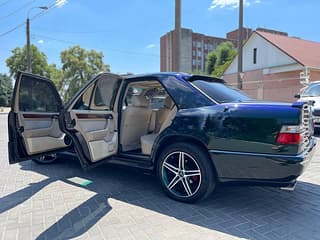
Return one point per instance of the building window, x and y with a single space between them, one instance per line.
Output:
194 44
193 62
254 56
199 44
193 53
205 46
199 53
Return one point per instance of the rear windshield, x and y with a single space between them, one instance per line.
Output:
220 92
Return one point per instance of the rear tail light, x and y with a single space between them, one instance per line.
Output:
289 135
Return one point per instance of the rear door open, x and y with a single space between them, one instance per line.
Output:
33 122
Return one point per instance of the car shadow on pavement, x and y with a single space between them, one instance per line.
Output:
240 211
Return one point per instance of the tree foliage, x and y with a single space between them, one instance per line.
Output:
220 59
79 66
5 90
18 61
56 75
211 62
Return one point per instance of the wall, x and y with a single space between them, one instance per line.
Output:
267 56
275 87
186 50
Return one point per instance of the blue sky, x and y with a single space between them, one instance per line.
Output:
128 32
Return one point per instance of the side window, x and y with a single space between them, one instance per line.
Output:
37 95
148 94
83 102
99 96
184 95
132 91
104 94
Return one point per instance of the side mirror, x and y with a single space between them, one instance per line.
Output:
297 95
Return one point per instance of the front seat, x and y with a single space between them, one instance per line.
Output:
135 119
164 118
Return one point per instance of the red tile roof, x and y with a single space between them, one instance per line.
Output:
304 52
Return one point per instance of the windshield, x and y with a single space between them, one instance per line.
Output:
312 91
220 92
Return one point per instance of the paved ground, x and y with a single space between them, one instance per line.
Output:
38 202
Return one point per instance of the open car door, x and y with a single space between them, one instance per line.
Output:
90 119
33 122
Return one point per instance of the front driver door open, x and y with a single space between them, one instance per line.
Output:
33 122
90 119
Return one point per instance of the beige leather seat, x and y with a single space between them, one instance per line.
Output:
164 118
135 123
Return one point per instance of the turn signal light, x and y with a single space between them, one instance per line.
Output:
289 138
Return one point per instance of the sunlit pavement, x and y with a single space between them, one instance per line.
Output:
39 202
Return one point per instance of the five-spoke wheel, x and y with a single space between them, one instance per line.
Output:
181 174
185 172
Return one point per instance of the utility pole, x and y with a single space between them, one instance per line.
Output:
29 69
240 43
177 35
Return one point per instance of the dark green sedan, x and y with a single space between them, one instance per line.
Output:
192 131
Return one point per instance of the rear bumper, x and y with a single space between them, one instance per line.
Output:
269 169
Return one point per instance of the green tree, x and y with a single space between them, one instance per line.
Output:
57 76
5 90
18 61
225 54
211 62
79 66
220 59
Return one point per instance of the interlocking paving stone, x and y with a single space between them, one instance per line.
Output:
38 202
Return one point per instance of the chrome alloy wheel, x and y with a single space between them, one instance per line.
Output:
181 174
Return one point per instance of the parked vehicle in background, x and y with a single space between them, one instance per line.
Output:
193 131
312 93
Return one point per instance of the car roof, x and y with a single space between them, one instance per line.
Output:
184 76
155 74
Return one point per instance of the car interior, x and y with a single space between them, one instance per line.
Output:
147 110
95 120
37 117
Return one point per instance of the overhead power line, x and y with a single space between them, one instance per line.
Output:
78 32
109 49
4 3
56 4
12 29
54 39
17 10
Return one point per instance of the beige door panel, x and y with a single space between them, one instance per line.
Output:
98 131
41 132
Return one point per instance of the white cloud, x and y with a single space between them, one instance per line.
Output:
60 3
151 46
40 41
231 3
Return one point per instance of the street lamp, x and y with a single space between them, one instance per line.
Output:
28 36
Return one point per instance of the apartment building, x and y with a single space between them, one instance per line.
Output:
194 49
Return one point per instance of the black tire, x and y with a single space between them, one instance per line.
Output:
46 159
196 163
